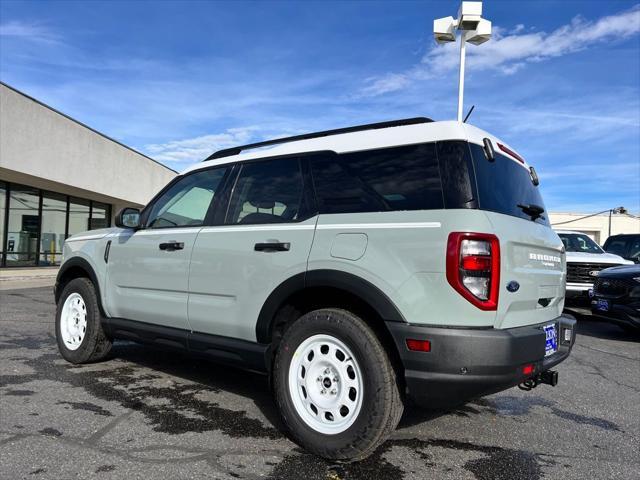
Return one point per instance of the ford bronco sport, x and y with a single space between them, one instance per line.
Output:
357 268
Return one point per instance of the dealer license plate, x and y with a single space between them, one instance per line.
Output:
602 305
551 345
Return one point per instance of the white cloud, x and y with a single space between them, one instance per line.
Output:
28 31
191 150
387 83
509 52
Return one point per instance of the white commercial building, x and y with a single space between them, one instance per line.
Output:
59 177
596 226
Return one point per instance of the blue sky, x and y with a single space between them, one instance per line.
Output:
559 81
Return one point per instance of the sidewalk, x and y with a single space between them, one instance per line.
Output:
16 278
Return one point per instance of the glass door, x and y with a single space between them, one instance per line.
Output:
23 226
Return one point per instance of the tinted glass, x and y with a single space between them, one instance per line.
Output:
634 249
504 184
578 242
186 202
100 215
54 217
269 191
78 216
24 222
617 246
456 170
398 178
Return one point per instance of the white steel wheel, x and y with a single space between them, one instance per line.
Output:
326 384
73 321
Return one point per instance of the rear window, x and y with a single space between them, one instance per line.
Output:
504 184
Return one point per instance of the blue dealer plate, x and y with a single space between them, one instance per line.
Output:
603 305
551 345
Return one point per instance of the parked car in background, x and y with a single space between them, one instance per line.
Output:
585 259
616 296
625 245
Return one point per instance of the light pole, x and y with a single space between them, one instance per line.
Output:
473 29
615 210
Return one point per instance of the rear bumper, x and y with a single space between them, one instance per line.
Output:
468 363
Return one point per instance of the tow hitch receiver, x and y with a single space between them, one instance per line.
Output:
548 377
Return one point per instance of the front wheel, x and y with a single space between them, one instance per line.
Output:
79 332
335 386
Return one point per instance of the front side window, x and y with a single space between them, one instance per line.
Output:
186 202
388 179
579 242
617 247
269 191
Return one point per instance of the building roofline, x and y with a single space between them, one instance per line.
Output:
84 125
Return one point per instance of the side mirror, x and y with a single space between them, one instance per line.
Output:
128 217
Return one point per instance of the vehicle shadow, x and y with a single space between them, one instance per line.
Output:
251 385
209 375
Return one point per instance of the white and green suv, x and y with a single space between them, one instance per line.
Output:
357 268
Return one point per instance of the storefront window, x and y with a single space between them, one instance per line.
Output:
24 221
54 218
38 222
100 215
78 216
3 203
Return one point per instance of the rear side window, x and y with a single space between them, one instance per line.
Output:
504 184
398 178
269 191
456 169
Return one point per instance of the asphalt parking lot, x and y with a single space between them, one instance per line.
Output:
150 414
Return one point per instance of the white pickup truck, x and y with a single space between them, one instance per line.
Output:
585 259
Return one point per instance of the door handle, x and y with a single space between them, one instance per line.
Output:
272 247
171 246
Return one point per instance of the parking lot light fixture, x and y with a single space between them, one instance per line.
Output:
616 210
473 29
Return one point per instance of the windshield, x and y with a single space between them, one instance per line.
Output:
576 242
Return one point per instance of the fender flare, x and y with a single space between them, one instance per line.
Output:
353 284
77 262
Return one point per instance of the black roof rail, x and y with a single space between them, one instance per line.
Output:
227 152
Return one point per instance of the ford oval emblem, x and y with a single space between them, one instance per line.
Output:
513 286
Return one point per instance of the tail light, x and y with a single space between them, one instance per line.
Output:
473 267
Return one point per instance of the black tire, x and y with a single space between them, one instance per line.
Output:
95 345
382 404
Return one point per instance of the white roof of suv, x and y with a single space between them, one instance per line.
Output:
369 140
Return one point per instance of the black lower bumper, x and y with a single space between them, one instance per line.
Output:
465 363
621 314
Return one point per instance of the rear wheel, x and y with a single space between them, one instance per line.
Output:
335 386
79 332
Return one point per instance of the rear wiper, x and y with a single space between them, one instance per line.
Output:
533 210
